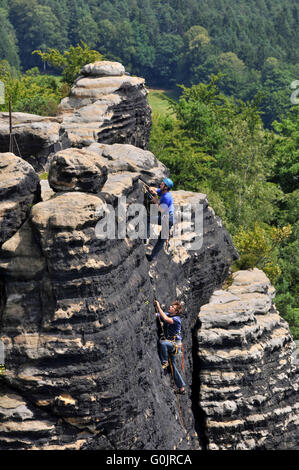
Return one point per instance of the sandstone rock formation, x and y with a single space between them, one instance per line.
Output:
120 158
105 105
36 137
19 189
76 310
75 170
78 325
79 328
248 376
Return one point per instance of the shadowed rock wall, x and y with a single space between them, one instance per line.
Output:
247 369
76 311
79 326
80 332
19 189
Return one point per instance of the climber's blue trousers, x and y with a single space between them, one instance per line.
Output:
166 350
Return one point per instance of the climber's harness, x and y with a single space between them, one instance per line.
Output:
174 340
176 343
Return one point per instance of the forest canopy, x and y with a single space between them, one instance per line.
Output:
255 44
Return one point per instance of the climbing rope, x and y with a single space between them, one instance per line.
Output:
12 137
172 374
182 349
176 392
147 192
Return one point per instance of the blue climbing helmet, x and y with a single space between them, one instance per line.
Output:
168 182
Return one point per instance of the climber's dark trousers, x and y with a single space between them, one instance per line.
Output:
160 242
166 349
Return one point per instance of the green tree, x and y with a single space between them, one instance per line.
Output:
287 151
71 61
30 92
227 145
88 30
8 44
168 50
36 27
196 37
259 247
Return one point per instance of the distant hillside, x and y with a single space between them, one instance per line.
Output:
255 43
152 34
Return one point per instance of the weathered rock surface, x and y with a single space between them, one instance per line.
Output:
248 377
46 191
76 310
19 189
77 170
105 168
37 137
106 105
79 327
104 69
128 158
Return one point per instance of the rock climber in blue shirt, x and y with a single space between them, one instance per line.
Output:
167 209
171 340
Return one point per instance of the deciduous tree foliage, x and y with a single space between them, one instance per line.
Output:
218 145
71 61
169 41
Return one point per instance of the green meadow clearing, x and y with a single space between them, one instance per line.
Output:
159 102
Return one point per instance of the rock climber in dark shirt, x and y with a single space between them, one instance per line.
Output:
171 339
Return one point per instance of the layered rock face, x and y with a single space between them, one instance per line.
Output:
19 189
79 327
248 374
105 105
80 337
36 137
75 170
76 308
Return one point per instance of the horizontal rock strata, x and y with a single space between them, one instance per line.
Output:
35 137
248 378
77 170
77 319
79 328
106 105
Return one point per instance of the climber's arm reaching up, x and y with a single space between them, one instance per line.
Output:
162 314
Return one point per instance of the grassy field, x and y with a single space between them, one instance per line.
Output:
158 101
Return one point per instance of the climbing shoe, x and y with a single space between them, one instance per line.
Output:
149 258
181 392
164 365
